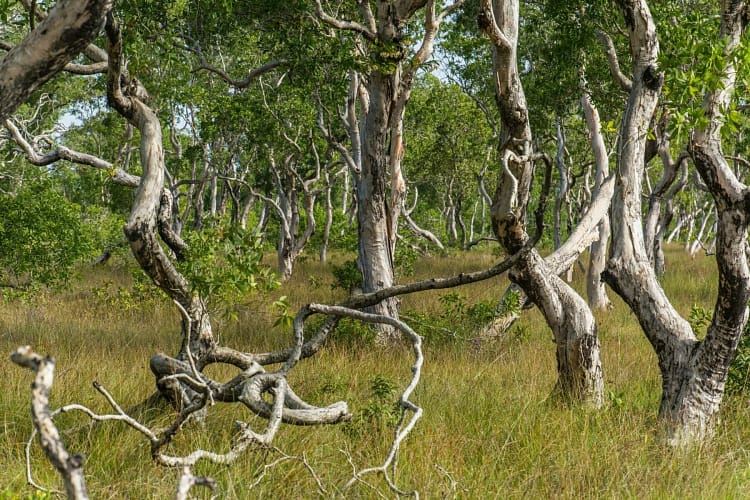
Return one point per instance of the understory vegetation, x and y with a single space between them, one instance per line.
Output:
491 425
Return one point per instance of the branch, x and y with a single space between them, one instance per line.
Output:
403 427
345 25
69 466
117 175
614 65
73 68
188 480
240 84
488 25
115 96
70 26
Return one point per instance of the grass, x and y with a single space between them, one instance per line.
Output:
490 429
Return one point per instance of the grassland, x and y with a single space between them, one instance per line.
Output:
490 428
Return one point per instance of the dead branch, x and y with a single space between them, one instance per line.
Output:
69 466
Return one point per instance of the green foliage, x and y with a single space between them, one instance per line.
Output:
223 263
380 412
352 332
616 400
511 303
738 380
404 260
458 320
42 236
699 318
37 495
347 276
285 318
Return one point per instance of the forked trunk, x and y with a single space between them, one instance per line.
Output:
693 372
569 318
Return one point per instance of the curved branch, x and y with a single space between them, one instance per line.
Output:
344 25
70 26
608 45
69 466
117 175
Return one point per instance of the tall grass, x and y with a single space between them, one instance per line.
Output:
490 428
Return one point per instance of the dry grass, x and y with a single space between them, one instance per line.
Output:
488 422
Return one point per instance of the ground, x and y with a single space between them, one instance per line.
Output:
490 427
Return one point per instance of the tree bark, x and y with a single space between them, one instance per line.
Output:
68 29
571 321
143 225
595 289
693 372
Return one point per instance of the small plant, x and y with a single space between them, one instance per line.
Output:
314 281
285 318
699 319
511 303
381 409
738 379
616 399
347 276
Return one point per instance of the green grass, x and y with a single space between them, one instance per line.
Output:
488 422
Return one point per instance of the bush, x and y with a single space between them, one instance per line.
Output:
42 236
347 276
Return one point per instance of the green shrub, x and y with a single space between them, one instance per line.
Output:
41 237
347 276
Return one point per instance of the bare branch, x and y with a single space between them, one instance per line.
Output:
404 426
240 84
188 480
69 466
117 175
614 64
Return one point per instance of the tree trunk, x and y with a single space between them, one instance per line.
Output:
562 188
375 259
571 321
579 368
595 289
328 220
693 372
374 216
150 218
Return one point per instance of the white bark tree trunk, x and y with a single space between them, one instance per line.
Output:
571 321
388 88
595 289
693 372
562 187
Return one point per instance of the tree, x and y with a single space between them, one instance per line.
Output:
385 91
573 325
693 372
